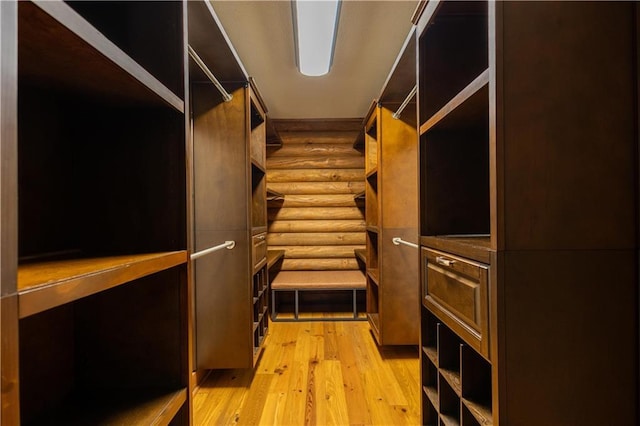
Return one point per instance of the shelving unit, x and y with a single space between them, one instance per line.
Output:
456 380
390 210
512 184
230 200
94 267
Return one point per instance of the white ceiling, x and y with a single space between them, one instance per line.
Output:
370 35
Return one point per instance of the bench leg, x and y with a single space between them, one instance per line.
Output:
355 305
296 304
273 306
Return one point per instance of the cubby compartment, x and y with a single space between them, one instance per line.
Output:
449 403
372 254
371 200
469 420
371 145
429 340
430 381
453 52
258 135
116 356
476 386
456 379
373 305
429 413
258 199
454 164
148 31
449 357
108 187
97 179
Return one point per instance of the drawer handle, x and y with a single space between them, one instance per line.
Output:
444 261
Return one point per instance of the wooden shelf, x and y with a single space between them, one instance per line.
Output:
374 274
372 173
45 285
209 39
374 320
453 378
373 228
473 247
431 353
475 87
273 136
274 195
119 406
449 420
273 256
432 394
359 196
258 166
361 254
482 413
81 51
402 75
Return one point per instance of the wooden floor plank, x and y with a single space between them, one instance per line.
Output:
316 373
331 402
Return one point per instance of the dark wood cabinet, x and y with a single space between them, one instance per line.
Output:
528 190
94 309
391 145
228 146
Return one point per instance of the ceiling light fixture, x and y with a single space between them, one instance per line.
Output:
315 25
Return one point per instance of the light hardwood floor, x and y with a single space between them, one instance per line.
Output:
316 373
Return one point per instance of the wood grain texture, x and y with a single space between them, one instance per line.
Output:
321 264
316 200
317 373
311 252
315 213
303 239
318 173
116 75
49 284
315 162
10 344
321 188
312 149
317 226
315 175
581 189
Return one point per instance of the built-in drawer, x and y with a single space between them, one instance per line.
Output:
456 290
259 249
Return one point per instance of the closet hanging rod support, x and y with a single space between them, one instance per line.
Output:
225 95
396 114
227 244
397 241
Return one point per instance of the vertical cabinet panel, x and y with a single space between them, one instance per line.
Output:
93 151
528 165
229 203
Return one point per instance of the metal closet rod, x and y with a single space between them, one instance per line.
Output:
396 114
227 244
225 95
397 241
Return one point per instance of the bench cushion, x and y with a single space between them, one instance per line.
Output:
318 280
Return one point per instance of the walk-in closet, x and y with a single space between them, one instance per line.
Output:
319 212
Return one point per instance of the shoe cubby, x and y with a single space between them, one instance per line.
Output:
456 380
453 52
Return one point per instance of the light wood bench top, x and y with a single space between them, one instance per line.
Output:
318 280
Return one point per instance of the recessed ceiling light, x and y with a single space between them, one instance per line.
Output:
315 24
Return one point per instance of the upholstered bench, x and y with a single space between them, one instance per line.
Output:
297 281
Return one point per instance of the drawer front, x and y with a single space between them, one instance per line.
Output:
259 248
457 290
